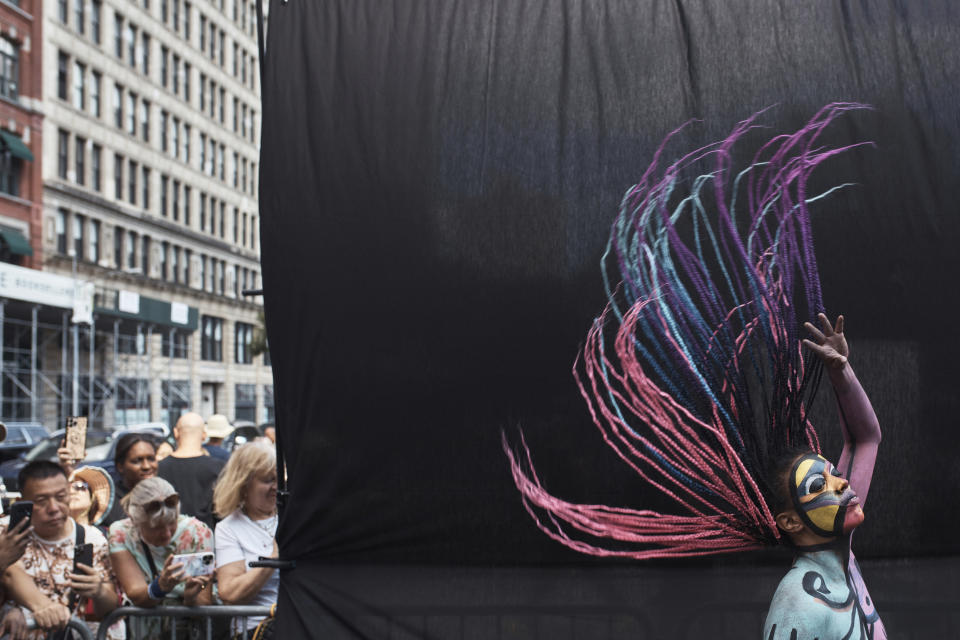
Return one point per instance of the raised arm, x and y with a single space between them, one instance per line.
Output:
861 429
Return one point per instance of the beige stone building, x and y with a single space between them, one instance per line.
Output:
150 154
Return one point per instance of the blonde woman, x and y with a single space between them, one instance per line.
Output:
245 496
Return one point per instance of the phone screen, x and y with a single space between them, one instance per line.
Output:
76 437
83 554
19 511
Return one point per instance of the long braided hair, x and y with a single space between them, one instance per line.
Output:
693 372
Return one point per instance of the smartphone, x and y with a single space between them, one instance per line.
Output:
22 510
83 554
195 564
76 437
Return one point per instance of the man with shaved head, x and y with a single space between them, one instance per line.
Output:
192 471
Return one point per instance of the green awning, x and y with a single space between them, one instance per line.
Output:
14 144
16 242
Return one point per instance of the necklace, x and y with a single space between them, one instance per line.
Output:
268 526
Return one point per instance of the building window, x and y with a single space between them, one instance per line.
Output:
186 267
176 74
175 394
132 113
186 81
133 394
203 32
78 236
80 154
176 200
60 226
243 338
176 15
164 248
164 187
118 106
203 92
175 265
164 121
268 414
95 81
131 45
164 10
243 238
236 225
145 186
164 71
78 16
202 272
145 255
10 171
145 121
95 176
62 10
213 156
118 176
131 250
93 253
186 143
223 37
9 69
79 90
236 59
118 235
245 402
236 170
186 205
222 109
213 40
186 21
118 35
63 63
145 55
95 11
175 138
179 347
221 164
213 96
223 217
132 171
63 139
211 339
203 212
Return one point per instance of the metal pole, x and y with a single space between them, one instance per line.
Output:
2 305
64 343
92 333
33 366
149 351
75 382
116 363
170 415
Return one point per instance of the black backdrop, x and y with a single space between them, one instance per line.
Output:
437 183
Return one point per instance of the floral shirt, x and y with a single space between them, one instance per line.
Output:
191 536
48 563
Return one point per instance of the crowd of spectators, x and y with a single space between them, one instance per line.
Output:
94 541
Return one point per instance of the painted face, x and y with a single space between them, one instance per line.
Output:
823 500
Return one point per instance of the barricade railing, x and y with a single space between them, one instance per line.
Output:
207 613
74 624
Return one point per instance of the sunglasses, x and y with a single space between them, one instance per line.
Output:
79 485
154 506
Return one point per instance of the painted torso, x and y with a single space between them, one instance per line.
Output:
823 597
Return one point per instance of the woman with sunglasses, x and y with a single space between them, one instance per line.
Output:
143 545
91 495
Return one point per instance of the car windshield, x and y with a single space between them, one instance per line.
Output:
46 450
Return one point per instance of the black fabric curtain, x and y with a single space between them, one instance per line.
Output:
438 180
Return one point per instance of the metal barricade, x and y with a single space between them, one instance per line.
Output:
209 613
74 624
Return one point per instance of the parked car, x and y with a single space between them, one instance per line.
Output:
21 437
46 449
243 431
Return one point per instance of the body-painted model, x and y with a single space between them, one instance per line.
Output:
695 376
823 595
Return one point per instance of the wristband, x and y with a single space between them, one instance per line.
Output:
154 590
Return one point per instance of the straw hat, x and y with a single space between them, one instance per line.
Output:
218 426
101 486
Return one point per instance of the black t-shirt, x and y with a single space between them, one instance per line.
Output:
193 478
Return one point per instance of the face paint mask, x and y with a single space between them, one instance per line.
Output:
826 513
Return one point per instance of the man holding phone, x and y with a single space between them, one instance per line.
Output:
64 565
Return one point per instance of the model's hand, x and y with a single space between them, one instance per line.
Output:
829 344
14 625
52 617
13 542
171 575
86 582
